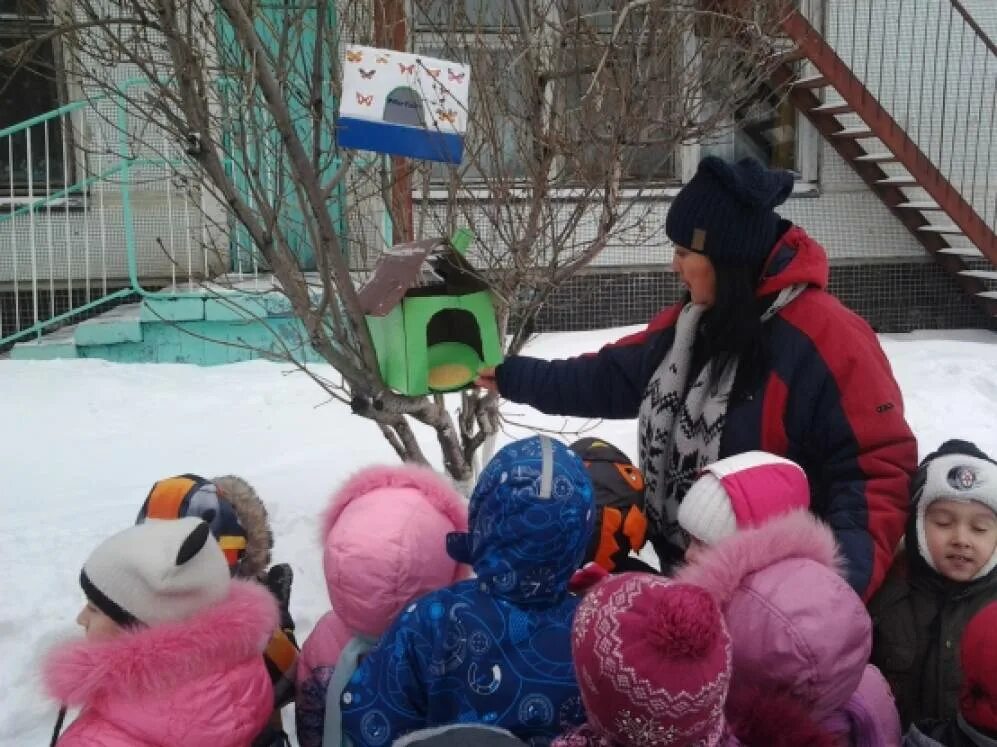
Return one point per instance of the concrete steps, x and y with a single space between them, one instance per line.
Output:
198 326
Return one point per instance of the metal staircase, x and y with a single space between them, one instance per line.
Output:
906 92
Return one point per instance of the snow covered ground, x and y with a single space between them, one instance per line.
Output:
82 441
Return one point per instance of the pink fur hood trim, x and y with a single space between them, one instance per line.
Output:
795 624
384 543
438 492
148 661
799 534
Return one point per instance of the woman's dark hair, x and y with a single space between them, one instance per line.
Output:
732 326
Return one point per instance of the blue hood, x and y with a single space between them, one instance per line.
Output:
530 520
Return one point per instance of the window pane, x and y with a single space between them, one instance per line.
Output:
763 127
435 15
24 8
25 92
594 118
495 143
595 13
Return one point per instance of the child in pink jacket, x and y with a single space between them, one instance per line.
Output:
384 544
797 628
173 646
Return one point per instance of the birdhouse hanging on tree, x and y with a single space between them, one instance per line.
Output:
430 316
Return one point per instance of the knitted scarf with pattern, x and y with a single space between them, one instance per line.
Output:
682 421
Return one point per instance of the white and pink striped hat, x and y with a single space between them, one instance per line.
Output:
741 491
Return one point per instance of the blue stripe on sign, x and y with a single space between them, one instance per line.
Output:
399 140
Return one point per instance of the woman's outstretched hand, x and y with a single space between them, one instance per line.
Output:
486 379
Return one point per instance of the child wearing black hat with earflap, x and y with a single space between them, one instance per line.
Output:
945 574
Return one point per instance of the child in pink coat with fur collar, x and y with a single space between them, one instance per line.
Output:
384 544
173 646
797 628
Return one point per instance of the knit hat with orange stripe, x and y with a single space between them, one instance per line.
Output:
190 495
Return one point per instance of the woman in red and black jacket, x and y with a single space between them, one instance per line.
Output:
757 356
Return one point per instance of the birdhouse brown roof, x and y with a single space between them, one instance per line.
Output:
403 267
396 271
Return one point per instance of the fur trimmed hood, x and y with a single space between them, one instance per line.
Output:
795 623
200 682
384 542
797 535
254 519
438 493
150 661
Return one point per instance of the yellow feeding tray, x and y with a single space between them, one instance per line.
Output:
452 366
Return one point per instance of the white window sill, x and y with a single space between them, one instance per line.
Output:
800 189
60 203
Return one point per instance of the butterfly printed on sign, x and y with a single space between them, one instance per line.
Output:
367 74
382 59
352 56
363 100
434 72
454 76
407 69
447 115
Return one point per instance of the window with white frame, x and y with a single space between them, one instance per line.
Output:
477 32
28 87
766 127
646 151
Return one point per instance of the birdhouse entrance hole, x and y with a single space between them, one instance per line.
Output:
453 342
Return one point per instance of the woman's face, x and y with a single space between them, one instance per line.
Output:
695 270
96 623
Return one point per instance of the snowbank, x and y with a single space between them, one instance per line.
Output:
82 442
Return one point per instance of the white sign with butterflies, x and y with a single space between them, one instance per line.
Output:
405 89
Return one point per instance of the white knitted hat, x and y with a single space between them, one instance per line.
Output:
956 477
742 491
156 572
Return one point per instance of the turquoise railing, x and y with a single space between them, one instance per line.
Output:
49 229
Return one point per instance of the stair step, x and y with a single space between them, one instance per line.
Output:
120 324
837 108
898 181
854 133
982 274
53 346
883 157
920 205
948 228
988 294
961 251
813 81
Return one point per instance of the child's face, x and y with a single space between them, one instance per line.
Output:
695 550
961 537
96 623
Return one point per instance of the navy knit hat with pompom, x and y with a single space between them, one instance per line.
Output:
727 211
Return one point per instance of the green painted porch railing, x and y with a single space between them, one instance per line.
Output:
121 170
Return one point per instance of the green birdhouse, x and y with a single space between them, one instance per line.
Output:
430 316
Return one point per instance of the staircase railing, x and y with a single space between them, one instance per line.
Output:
926 74
85 213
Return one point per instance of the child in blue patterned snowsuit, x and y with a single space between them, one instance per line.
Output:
495 649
